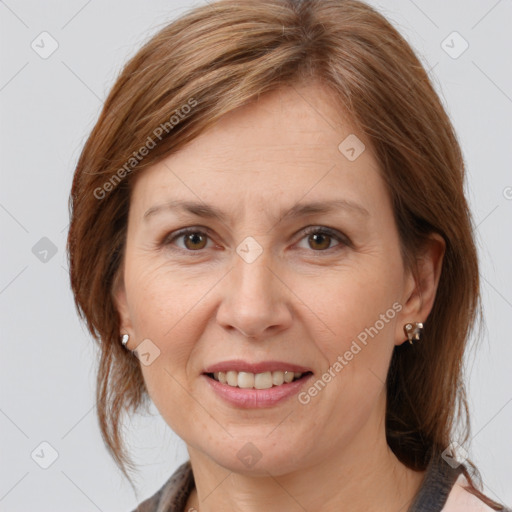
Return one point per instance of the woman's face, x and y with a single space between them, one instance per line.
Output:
270 286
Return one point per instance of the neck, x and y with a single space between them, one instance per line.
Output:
364 475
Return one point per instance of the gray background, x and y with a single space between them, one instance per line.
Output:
48 107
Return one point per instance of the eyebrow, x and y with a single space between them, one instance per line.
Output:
299 210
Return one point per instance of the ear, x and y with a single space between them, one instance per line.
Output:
421 286
121 305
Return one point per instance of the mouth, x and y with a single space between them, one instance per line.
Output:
256 385
262 380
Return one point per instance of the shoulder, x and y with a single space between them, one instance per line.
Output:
461 500
172 496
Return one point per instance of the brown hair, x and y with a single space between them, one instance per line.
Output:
221 56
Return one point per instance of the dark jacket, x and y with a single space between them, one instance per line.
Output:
441 491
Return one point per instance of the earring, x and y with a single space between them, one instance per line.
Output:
413 331
124 339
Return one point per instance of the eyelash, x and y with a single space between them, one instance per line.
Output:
343 240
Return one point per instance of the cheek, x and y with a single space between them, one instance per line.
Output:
165 305
353 300
355 316
163 297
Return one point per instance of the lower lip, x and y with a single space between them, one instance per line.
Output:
256 398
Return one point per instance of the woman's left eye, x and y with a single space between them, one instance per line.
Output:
322 237
318 238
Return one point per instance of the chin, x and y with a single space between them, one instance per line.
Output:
257 457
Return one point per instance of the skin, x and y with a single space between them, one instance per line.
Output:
302 300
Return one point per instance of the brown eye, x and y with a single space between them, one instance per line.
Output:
194 241
319 241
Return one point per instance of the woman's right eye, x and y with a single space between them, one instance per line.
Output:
193 239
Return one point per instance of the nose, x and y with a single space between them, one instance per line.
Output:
254 300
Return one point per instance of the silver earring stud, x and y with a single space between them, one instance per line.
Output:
124 339
413 331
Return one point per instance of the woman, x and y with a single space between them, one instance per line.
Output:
269 239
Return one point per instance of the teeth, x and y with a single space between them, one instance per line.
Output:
277 378
247 380
232 378
263 380
289 376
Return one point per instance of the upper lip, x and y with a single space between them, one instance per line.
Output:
239 365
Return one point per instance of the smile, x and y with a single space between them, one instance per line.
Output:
248 380
250 385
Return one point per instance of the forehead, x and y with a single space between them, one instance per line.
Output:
291 143
292 124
